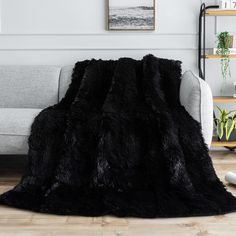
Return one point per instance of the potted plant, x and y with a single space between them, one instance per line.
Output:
226 125
224 43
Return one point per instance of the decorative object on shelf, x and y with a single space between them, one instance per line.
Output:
131 14
232 51
225 4
224 39
231 41
233 4
226 125
234 95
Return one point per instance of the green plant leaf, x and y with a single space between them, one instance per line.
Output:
223 49
228 113
229 129
219 109
221 130
226 123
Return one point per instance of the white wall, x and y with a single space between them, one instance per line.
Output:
61 32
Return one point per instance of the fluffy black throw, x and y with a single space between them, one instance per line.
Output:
120 143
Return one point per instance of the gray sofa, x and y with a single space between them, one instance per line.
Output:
26 90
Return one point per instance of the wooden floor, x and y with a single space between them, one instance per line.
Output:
23 223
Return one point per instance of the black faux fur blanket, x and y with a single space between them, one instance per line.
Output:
120 143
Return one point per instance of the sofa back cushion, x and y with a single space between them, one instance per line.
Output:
196 97
65 80
29 86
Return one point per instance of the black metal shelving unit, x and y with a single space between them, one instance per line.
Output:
202 59
202 40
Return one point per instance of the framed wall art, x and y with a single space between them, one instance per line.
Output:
131 14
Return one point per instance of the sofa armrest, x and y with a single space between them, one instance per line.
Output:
196 97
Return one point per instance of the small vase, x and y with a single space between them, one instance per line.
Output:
231 41
234 91
223 87
232 137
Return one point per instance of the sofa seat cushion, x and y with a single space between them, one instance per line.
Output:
16 121
13 145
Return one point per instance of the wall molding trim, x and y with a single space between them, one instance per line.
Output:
125 33
99 42
101 49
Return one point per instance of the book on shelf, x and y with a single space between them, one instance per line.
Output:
232 51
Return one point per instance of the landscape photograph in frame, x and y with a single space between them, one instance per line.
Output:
131 14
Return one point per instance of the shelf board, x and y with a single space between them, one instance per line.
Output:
213 56
223 144
216 143
224 99
220 13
